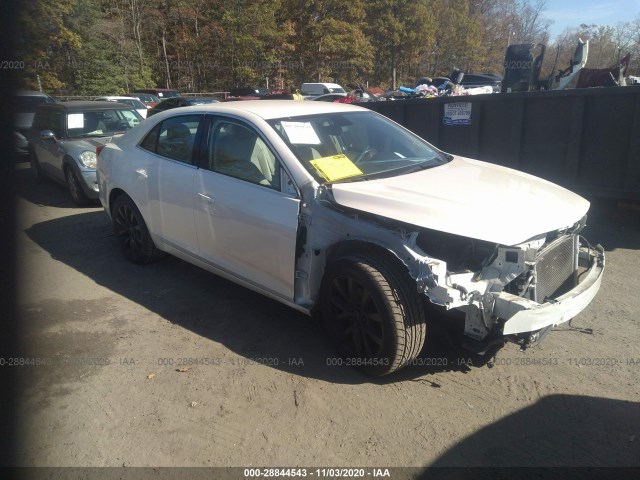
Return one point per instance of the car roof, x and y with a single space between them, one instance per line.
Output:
332 85
153 90
77 105
271 109
117 97
30 93
336 94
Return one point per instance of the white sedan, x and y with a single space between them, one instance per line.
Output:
140 107
336 210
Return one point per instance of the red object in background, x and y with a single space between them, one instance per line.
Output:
347 99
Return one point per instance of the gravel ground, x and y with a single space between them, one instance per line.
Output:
168 365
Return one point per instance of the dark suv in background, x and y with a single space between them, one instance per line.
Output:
247 93
161 93
25 103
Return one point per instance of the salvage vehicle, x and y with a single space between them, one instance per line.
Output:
63 140
523 64
344 215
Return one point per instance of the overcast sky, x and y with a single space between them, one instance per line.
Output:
572 13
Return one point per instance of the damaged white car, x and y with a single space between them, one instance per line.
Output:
336 210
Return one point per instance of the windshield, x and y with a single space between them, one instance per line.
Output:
201 101
168 93
351 146
147 97
132 102
100 123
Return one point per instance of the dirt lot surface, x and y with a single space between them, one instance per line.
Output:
168 365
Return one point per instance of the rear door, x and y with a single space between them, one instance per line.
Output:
245 222
169 180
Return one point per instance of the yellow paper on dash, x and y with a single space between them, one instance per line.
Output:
336 167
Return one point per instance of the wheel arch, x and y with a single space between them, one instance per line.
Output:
113 195
363 247
69 162
359 247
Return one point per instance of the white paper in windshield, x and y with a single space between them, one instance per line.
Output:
75 120
301 133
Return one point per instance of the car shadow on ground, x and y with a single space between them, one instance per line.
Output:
248 323
48 193
556 431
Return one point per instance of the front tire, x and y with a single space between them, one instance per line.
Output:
132 232
75 189
373 313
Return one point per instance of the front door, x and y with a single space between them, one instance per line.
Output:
246 225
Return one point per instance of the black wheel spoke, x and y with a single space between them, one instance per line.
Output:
132 234
365 299
341 304
374 336
128 229
339 288
356 343
357 321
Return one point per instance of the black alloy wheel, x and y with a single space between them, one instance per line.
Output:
373 313
132 233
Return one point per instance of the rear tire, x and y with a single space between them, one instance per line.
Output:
373 313
132 233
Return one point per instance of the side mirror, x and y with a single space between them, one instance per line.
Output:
47 134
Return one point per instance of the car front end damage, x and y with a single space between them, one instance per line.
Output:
513 273
519 292
506 292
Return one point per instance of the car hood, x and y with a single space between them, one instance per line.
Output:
469 198
80 144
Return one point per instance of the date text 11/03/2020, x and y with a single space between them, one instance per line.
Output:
316 472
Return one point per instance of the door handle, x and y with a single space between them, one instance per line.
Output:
205 197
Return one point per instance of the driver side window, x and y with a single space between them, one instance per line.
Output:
173 138
239 152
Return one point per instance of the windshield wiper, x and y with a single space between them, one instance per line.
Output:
385 173
86 135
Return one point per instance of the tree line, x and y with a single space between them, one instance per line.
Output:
93 47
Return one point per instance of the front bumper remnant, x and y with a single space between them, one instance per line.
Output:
523 315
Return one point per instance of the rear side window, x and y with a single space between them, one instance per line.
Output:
174 138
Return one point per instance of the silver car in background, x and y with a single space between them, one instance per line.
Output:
64 137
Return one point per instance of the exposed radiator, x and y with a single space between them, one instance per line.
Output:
555 264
